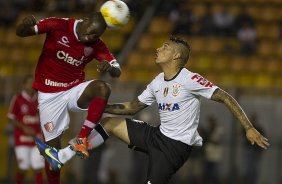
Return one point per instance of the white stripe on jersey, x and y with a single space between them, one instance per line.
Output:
179 104
36 29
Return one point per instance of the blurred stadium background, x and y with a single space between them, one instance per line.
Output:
235 44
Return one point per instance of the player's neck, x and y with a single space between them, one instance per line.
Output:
170 71
30 93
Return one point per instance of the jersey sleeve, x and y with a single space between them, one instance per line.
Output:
147 96
102 52
13 108
200 86
49 24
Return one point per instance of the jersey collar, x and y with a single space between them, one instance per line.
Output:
27 97
74 28
175 75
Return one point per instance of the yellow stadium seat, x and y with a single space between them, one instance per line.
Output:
149 60
270 31
269 13
145 42
254 11
10 37
36 41
212 77
256 64
234 9
238 64
197 44
265 48
160 25
18 55
129 26
245 79
214 45
263 80
227 79
33 54
221 63
4 54
279 49
278 81
135 60
274 66
203 63
159 39
6 69
22 69
198 9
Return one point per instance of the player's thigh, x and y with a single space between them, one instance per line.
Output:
54 116
23 157
75 94
140 134
160 170
36 160
116 127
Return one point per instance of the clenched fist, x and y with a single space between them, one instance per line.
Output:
29 21
104 66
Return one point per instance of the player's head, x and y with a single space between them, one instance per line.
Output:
174 50
27 83
91 28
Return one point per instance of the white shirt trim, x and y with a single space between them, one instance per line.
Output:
27 97
36 29
74 28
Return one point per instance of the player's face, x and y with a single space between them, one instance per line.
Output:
165 53
90 30
28 85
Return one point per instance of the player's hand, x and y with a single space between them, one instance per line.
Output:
104 66
29 131
29 21
255 137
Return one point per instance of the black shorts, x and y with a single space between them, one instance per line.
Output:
166 155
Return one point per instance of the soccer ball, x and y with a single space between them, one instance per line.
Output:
115 13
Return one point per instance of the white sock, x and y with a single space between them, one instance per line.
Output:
97 136
65 154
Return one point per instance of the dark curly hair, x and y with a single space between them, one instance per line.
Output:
184 46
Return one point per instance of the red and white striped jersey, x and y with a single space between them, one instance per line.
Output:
24 109
63 58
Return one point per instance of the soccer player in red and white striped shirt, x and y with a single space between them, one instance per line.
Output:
23 114
69 46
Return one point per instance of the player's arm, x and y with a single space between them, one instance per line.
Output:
26 129
126 108
252 134
26 27
112 67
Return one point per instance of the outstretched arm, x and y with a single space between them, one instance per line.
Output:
26 28
252 134
126 108
113 68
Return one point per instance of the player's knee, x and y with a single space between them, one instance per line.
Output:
103 88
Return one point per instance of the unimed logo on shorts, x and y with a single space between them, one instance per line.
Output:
49 126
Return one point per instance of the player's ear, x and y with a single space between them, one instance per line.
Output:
176 56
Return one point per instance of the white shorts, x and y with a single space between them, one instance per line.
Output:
54 110
29 157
